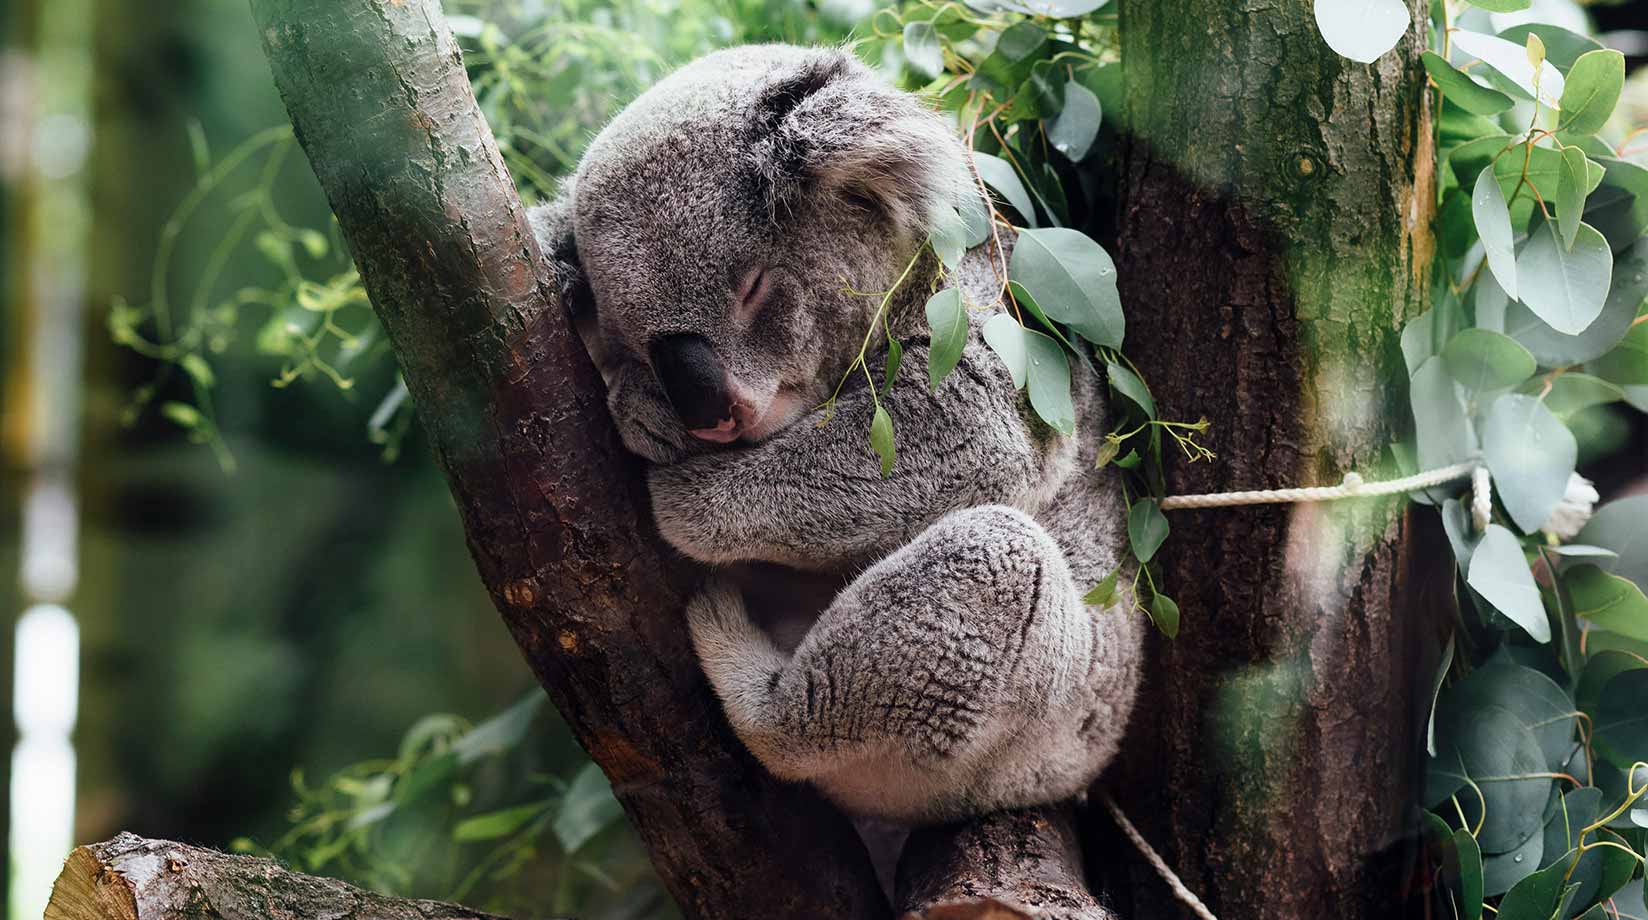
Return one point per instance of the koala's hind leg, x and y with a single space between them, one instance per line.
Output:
947 646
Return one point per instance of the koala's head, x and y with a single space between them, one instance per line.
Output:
717 223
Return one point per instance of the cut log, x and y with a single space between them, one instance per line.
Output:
130 878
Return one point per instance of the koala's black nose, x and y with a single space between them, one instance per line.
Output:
694 380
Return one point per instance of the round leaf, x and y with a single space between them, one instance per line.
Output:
1362 30
1441 428
1555 349
1607 601
1048 375
1618 526
1622 720
1498 753
1072 131
1565 287
1073 279
1485 361
1511 62
922 49
1531 454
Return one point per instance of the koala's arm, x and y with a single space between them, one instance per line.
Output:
812 496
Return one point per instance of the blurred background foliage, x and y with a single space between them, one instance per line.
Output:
267 625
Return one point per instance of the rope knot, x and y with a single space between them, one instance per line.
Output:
1352 483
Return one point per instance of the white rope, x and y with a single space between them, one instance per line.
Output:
1185 895
1353 486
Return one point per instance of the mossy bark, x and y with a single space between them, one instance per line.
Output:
1274 235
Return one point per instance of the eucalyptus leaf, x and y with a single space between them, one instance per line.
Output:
587 808
1362 30
1621 718
1618 207
1555 349
1618 525
1048 376
1573 392
1536 700
1566 287
1165 614
1129 385
1501 6
1498 753
881 440
1005 337
1626 364
1073 279
500 733
1571 187
1000 175
501 823
895 357
1485 361
1458 87
1041 95
1493 225
922 49
1511 62
947 326
1539 896
1017 49
1531 454
1608 601
1072 131
1562 47
1441 428
1499 572
1469 869
947 234
1592 90
1146 528
1436 693
1103 594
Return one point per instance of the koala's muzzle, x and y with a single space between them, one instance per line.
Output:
698 387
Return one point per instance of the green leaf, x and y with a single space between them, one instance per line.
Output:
1566 287
1626 364
182 414
1618 525
1000 175
881 439
1571 187
1555 349
500 733
196 367
1017 49
1500 573
1129 385
1436 692
1005 337
1539 896
1103 593
1165 614
1072 279
1573 391
1073 130
1607 601
1531 454
1621 719
1493 225
1458 87
922 49
1592 91
947 234
1487 361
1362 30
947 324
1041 95
1501 871
1501 6
1469 873
1029 304
1146 528
1618 208
1048 376
493 825
1536 700
587 809
1492 747
1441 428
895 357
1510 61
1562 47
975 216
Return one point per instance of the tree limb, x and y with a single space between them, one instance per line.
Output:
130 878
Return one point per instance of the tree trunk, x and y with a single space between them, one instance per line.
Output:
130 878
1274 235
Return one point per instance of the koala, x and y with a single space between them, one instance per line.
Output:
724 245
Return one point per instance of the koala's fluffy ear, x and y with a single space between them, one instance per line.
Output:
552 225
828 125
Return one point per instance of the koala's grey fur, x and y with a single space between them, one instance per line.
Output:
957 670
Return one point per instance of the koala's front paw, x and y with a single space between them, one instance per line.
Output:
646 423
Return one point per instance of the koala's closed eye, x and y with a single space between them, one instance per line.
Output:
753 291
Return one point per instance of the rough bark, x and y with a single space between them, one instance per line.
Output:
553 508
1273 237
130 878
1020 865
